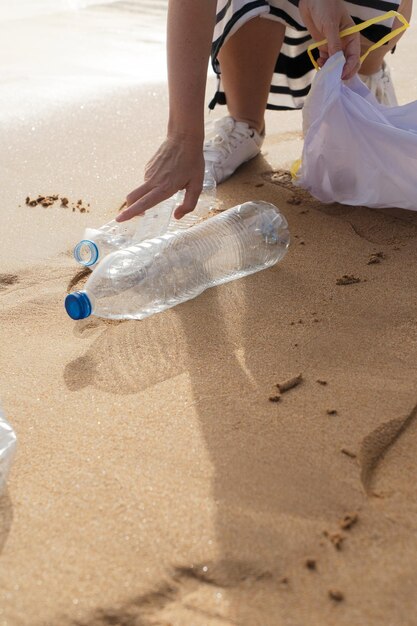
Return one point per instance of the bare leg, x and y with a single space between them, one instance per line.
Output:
247 62
373 62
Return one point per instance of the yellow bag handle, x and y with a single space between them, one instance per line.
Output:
295 167
349 31
359 27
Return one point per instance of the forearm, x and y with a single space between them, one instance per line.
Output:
190 31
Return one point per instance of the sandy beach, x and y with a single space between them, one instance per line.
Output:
155 483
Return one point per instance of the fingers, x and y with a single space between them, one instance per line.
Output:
176 165
190 201
310 24
324 55
334 43
351 49
137 193
353 61
350 69
154 197
350 45
325 21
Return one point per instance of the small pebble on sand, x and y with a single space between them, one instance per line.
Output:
336 595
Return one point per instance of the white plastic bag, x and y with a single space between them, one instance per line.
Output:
357 151
7 448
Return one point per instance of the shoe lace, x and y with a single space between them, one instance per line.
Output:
223 137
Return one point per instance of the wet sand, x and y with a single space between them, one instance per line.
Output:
155 482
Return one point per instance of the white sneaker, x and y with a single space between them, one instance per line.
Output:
380 84
232 144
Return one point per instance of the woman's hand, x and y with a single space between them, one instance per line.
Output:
325 19
177 164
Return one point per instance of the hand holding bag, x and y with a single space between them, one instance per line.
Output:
357 151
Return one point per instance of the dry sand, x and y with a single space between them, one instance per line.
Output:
155 482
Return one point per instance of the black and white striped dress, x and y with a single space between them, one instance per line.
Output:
293 71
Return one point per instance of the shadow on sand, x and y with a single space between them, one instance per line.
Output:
6 518
233 342
234 352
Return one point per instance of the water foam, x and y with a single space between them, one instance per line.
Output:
26 9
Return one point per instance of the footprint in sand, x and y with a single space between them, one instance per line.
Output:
8 279
302 198
186 595
127 356
379 226
388 458
382 226
79 279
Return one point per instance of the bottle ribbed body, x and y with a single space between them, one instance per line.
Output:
159 273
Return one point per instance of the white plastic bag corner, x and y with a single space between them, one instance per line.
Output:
357 151
7 449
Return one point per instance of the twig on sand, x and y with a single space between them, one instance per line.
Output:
348 279
349 453
290 383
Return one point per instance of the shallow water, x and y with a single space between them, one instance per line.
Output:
68 50
80 83
25 9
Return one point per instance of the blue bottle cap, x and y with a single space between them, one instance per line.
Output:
78 305
86 252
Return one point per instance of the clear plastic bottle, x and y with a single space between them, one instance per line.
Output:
98 242
7 448
159 273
